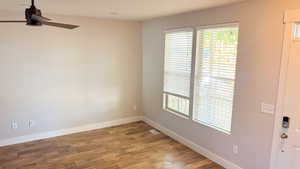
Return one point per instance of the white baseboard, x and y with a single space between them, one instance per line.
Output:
201 150
62 132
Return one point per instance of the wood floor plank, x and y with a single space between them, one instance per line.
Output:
129 146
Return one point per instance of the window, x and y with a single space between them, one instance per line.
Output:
215 76
177 71
211 72
297 34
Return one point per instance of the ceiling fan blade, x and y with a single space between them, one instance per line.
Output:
45 18
40 18
61 25
12 21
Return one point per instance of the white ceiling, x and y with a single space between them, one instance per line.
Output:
120 9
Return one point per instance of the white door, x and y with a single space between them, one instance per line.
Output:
288 136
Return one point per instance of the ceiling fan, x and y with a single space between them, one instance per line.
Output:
34 17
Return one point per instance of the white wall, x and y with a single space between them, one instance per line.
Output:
62 78
67 78
260 44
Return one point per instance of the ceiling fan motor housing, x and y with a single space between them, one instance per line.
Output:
32 11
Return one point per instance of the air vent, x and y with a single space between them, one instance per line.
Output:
154 132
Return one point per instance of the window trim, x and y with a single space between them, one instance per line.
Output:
183 29
216 26
297 39
193 73
212 127
223 25
165 94
195 30
170 110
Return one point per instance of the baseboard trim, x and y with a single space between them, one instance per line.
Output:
34 137
201 150
40 136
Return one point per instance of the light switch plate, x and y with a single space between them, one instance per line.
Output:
14 124
267 108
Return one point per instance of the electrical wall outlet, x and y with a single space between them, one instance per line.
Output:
235 149
14 124
31 123
134 107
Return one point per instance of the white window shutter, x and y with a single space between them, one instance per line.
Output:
177 71
215 76
178 61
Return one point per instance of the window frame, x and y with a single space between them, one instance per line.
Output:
164 93
193 73
296 27
216 26
170 110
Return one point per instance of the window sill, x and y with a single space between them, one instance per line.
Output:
212 127
176 114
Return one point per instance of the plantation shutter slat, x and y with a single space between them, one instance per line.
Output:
215 76
178 60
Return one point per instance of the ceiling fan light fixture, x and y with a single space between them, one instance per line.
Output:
34 17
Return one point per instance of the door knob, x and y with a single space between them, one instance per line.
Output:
284 136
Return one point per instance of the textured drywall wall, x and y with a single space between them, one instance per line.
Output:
68 78
258 65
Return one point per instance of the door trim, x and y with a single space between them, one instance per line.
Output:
290 17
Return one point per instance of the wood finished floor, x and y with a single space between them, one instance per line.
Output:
129 146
